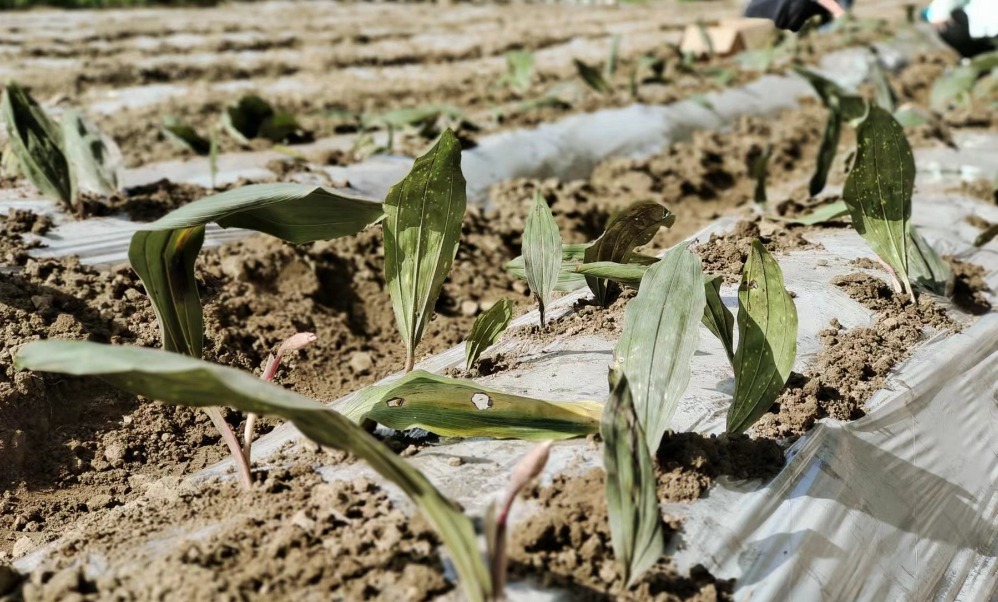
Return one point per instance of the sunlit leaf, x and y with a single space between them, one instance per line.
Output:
95 160
519 69
541 252
631 486
487 329
452 407
717 317
36 143
767 339
661 332
627 274
634 226
182 380
422 230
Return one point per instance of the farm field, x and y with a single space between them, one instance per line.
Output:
799 277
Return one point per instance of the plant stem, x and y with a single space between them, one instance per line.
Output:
241 461
269 371
410 360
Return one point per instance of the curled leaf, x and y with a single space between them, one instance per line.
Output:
767 339
487 329
926 269
36 142
185 135
94 159
717 317
541 252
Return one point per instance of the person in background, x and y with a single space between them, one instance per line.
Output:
792 14
969 26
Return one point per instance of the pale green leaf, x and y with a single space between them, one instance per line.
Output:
767 339
541 252
452 407
717 317
926 268
487 329
953 86
631 487
93 159
519 69
879 187
610 68
422 230
36 142
661 333
627 274
182 380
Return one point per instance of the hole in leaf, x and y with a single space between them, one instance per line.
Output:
481 401
395 402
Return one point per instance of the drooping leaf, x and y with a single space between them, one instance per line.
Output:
987 236
422 230
926 269
878 190
884 94
760 171
185 135
631 486
661 332
182 380
634 226
519 69
541 252
164 261
627 274
297 213
487 329
36 142
569 279
592 77
253 117
825 213
94 160
826 152
452 407
717 317
767 339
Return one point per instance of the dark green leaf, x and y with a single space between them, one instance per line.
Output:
244 119
36 142
987 236
926 268
829 146
487 329
592 77
717 317
760 171
186 135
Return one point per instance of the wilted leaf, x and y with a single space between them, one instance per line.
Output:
182 380
592 77
184 134
878 190
760 171
541 252
661 332
422 230
95 161
487 329
631 486
36 142
634 226
452 407
253 117
164 261
825 213
767 339
926 268
627 274
297 213
717 317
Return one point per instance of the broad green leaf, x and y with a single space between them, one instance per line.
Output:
717 317
926 268
182 380
631 486
572 254
822 214
767 339
592 77
487 329
184 134
878 190
422 230
884 95
661 332
760 171
541 252
94 160
634 226
987 236
828 148
953 85
452 407
297 213
519 69
36 142
627 274
164 260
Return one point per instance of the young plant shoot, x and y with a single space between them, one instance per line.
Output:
486 331
36 142
422 230
542 252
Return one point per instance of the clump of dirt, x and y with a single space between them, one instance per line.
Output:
969 286
980 189
866 263
144 203
566 543
586 318
688 463
294 535
21 221
855 363
725 254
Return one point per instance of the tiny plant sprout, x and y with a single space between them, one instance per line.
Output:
292 344
542 252
527 469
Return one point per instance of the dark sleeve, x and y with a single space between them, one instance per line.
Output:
785 14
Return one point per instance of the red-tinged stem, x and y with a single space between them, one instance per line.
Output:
269 371
241 461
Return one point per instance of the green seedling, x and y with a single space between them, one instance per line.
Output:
645 63
253 117
661 333
36 143
634 226
957 84
519 70
496 521
767 339
624 274
422 230
760 171
879 188
631 486
452 407
884 95
926 269
592 77
541 253
487 329
183 380
185 135
612 59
